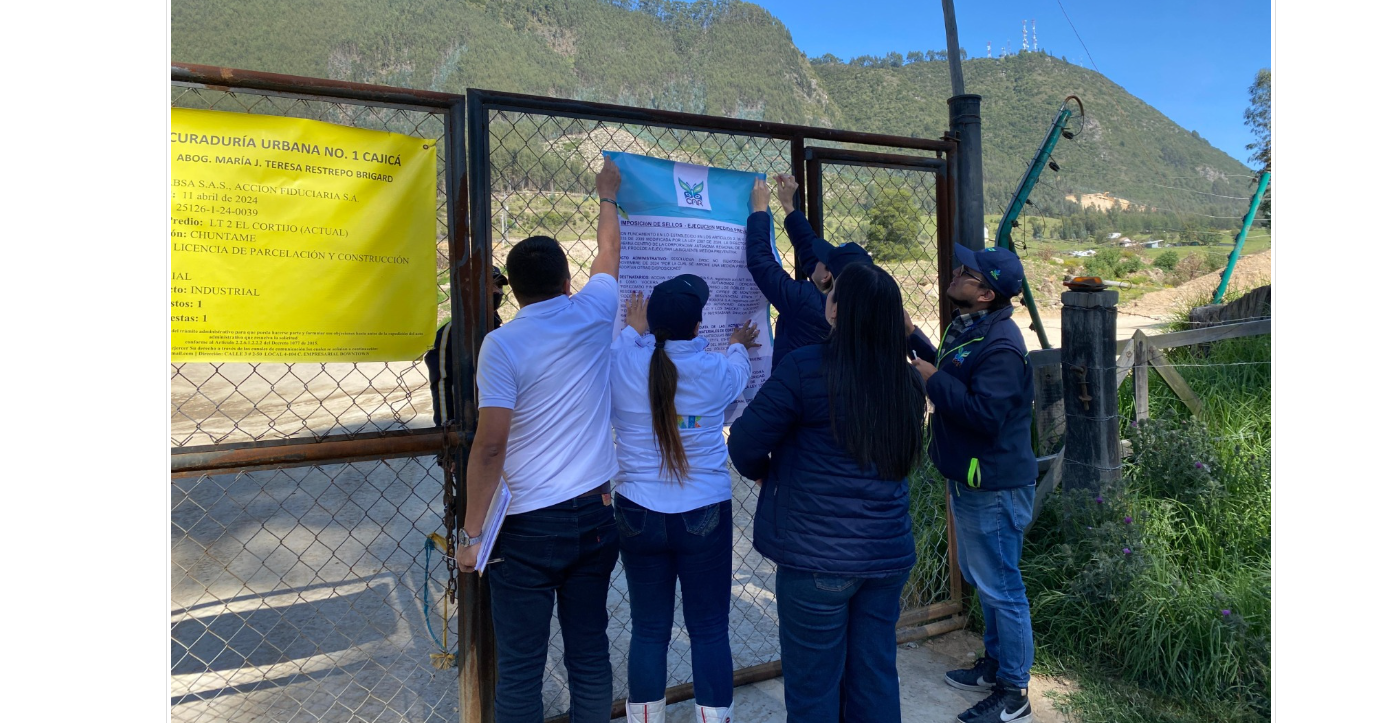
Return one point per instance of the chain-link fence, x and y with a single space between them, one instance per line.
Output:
305 584
313 592
540 179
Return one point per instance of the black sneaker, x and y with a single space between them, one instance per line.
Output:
1007 703
979 677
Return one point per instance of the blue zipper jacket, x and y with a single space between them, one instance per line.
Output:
981 431
799 303
819 510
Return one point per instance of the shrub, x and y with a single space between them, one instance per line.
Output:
1129 265
1168 260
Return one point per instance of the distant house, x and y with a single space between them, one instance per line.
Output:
1126 242
1087 252
1152 243
1112 236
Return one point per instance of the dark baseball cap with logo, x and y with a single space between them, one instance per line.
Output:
838 258
676 305
1001 268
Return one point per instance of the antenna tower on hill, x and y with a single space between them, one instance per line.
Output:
989 49
1034 35
1025 36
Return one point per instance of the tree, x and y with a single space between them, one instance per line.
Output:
894 223
1258 120
1168 260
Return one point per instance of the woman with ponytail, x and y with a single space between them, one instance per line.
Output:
673 495
832 437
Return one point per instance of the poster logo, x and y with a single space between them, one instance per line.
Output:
690 186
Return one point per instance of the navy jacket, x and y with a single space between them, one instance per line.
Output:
981 431
800 304
819 510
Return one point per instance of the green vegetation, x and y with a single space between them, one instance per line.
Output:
894 223
732 58
1168 260
1155 596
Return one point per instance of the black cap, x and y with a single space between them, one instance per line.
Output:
500 278
676 306
838 258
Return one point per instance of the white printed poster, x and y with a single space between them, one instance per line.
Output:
681 218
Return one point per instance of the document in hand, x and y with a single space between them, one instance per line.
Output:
494 520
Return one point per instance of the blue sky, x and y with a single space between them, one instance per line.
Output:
1194 61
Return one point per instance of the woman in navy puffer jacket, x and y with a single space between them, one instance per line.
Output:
832 437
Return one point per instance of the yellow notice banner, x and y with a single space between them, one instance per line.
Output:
299 241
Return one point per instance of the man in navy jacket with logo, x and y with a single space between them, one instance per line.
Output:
981 440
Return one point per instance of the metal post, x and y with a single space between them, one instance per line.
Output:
797 169
1092 453
969 171
1241 237
470 308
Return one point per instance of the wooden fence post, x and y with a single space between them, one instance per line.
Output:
1141 376
1092 453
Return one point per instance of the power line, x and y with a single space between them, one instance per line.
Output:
1078 37
1205 193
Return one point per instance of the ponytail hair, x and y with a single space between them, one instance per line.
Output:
664 384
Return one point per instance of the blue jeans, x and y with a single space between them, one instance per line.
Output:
839 634
564 552
989 528
693 548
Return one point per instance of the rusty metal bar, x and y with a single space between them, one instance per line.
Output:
814 171
875 159
586 110
797 169
945 236
277 454
216 77
471 279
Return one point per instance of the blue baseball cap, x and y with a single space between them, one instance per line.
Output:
1001 268
676 305
838 258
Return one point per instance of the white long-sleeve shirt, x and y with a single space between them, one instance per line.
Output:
708 383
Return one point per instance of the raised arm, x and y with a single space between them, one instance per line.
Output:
608 226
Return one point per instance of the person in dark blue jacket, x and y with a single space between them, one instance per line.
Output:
831 438
799 303
980 385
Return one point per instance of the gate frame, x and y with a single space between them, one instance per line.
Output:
944 170
470 255
469 319
479 104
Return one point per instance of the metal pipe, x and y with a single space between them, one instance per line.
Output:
969 162
279 454
1241 238
875 159
214 76
566 108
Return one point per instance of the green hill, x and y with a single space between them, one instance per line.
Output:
727 58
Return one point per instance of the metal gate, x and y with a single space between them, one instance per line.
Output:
304 585
532 164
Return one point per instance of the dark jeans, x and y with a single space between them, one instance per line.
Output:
839 634
695 549
568 551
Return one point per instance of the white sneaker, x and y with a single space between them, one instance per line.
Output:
644 712
704 714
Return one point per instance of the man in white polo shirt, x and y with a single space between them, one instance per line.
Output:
544 427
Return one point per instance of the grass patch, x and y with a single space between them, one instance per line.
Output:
1155 596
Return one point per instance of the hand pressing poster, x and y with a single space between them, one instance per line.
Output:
679 218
